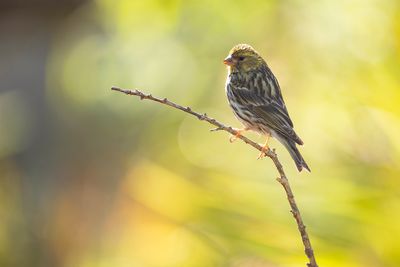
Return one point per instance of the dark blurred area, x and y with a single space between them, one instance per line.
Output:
91 177
31 176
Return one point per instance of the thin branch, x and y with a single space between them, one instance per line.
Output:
269 153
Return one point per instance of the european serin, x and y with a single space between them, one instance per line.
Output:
255 96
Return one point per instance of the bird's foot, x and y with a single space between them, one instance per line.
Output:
264 149
263 152
238 133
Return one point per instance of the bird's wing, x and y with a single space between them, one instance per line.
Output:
276 120
271 111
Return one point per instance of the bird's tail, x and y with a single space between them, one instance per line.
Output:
295 153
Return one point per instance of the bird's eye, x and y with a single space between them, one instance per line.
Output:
241 58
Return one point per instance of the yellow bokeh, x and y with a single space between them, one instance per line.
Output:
90 177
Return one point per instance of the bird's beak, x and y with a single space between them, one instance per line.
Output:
229 61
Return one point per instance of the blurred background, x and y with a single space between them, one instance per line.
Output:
94 178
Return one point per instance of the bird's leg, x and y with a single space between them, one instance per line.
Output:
238 133
264 148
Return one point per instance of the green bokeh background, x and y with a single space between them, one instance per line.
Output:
94 178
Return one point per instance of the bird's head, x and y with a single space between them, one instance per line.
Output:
243 58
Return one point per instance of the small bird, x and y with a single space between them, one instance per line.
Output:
255 96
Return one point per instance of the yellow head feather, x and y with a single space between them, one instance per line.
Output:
245 58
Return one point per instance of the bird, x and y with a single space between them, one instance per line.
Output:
255 97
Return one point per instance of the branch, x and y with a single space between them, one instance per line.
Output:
282 179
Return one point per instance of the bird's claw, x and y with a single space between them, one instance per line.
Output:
263 152
236 136
233 138
262 155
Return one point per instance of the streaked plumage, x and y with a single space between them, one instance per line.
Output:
254 95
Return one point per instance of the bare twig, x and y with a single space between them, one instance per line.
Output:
269 153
